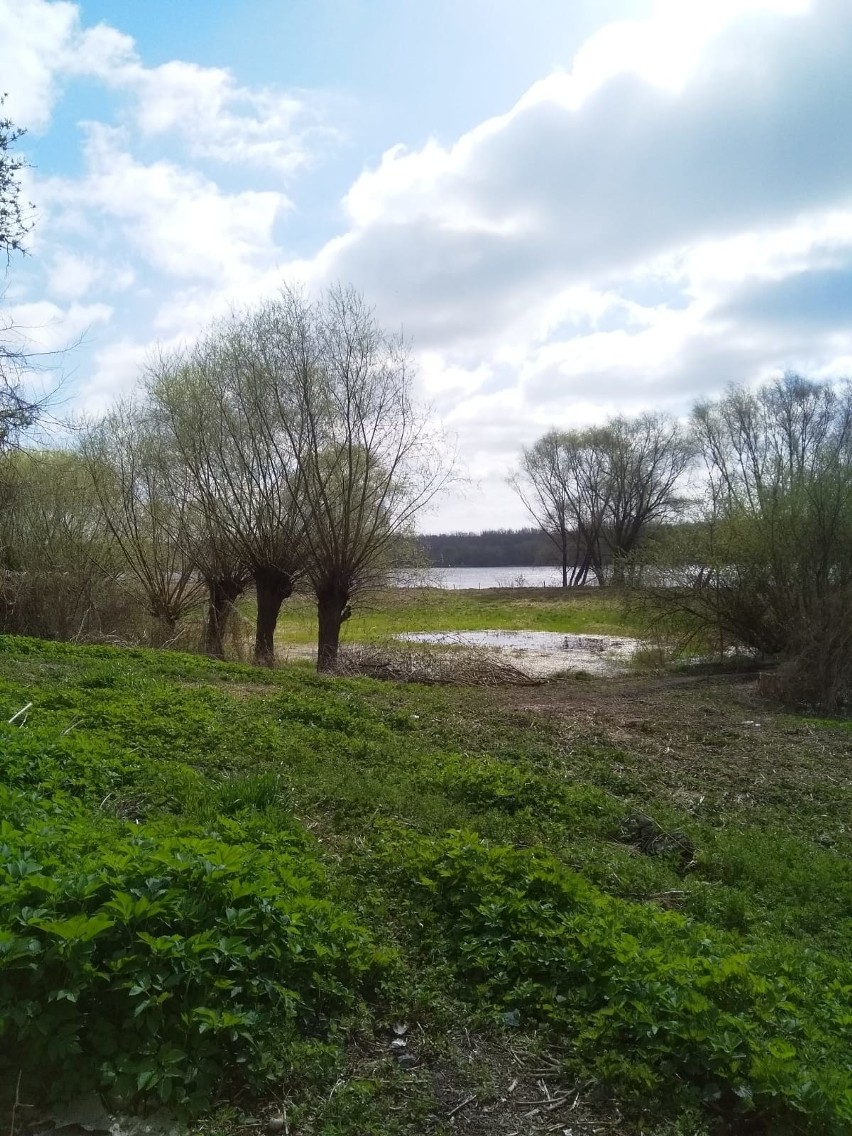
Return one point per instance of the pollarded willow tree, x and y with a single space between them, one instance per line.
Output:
367 456
219 406
285 445
143 493
597 492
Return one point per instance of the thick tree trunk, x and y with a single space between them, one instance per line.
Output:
618 569
581 574
222 596
273 587
564 562
332 611
164 625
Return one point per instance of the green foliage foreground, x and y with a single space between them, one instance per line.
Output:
649 1000
204 883
152 961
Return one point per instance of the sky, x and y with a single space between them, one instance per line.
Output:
570 209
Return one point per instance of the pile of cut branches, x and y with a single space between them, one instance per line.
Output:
467 667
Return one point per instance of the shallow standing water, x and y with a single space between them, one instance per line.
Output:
539 653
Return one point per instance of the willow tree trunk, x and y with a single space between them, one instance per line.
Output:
332 612
618 570
164 624
273 587
223 593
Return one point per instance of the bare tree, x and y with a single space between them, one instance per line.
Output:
146 507
368 457
559 490
14 212
596 492
219 403
644 461
18 411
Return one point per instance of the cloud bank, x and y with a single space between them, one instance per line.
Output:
670 212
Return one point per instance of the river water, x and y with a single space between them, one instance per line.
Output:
450 578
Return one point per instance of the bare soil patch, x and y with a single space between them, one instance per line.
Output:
700 739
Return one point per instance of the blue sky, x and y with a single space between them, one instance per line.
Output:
572 209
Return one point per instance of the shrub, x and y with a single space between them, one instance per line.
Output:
819 674
768 566
145 961
651 1002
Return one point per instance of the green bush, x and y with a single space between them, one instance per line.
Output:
652 1002
486 782
146 961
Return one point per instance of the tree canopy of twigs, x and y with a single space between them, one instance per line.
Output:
597 492
17 411
303 457
146 508
14 211
218 405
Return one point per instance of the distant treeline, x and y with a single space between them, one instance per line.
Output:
497 548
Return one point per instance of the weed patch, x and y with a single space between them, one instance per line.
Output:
290 836
651 1002
144 963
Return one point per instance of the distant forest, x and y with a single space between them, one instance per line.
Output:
498 548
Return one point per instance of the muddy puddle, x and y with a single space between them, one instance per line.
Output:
539 653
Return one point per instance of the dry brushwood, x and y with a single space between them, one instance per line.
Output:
435 667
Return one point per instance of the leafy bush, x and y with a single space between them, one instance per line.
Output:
651 1001
145 961
819 673
768 566
486 782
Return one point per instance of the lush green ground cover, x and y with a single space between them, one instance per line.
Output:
379 615
220 880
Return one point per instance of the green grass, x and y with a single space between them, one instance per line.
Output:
379 615
420 854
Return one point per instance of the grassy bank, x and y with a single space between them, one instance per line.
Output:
379 615
225 885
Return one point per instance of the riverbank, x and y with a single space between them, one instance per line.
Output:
380 615
619 905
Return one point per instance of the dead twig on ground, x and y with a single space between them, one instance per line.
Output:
23 711
459 1107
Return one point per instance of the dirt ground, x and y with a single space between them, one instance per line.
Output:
704 738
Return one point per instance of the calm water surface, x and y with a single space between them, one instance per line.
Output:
481 578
